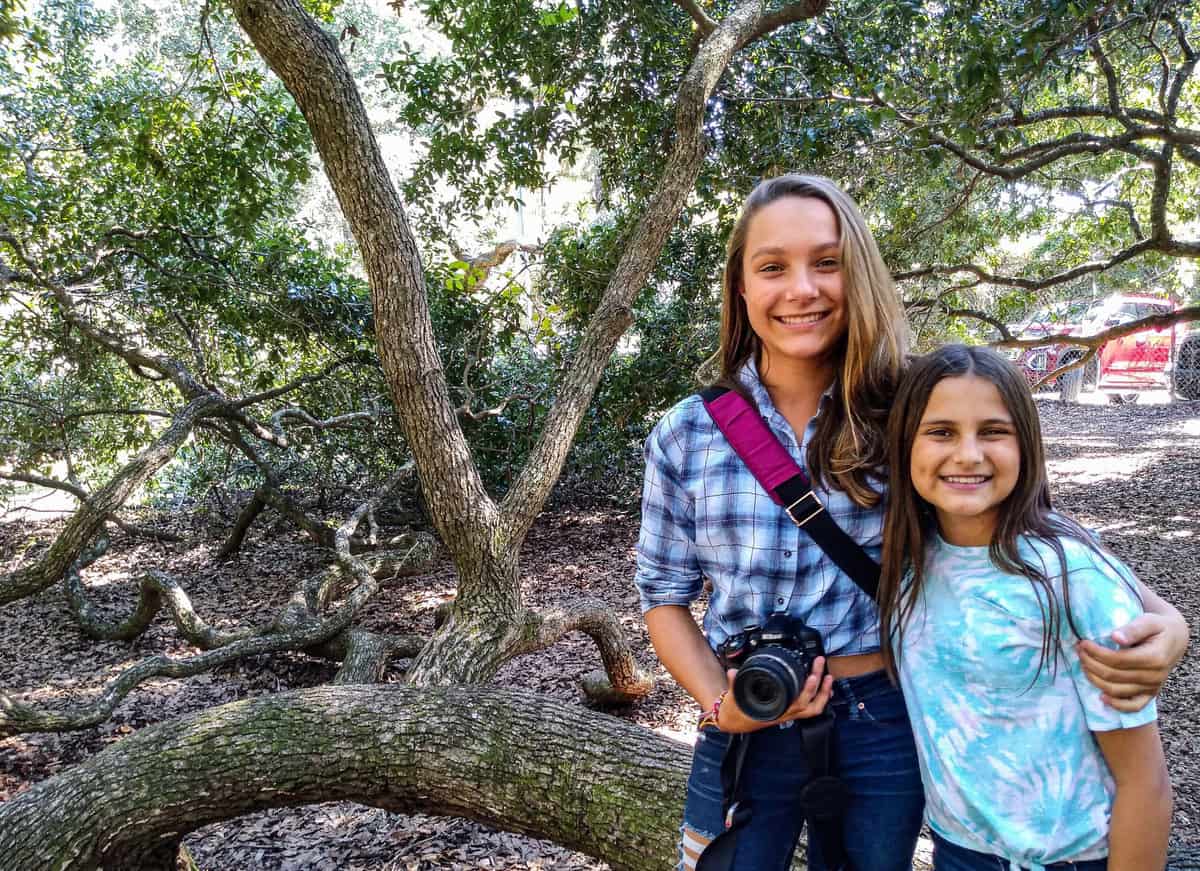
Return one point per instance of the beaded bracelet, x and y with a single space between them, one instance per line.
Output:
711 715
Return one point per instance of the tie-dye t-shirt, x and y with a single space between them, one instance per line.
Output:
1009 764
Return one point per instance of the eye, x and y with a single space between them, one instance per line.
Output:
937 432
770 267
829 263
997 432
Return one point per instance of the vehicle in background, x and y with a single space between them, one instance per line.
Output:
1184 370
1122 368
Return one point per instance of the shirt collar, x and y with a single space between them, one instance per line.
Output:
749 378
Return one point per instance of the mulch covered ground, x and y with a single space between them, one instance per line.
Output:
1133 473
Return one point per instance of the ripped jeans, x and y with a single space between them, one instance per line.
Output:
875 757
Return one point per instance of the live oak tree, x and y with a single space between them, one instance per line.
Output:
956 125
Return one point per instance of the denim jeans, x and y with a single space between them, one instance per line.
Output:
875 757
951 857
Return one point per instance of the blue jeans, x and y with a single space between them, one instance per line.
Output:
875 757
951 857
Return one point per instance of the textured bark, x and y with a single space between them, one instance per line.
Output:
155 589
365 655
308 62
488 624
89 518
517 761
621 681
245 519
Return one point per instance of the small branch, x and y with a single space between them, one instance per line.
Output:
1036 283
700 18
82 495
297 413
275 392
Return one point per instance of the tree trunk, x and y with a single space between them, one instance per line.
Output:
517 761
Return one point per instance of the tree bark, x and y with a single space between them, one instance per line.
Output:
517 761
488 624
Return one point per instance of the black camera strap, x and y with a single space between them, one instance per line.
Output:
785 482
823 798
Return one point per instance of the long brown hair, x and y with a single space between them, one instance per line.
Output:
848 445
1028 510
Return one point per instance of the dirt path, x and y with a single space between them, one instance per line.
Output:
1133 473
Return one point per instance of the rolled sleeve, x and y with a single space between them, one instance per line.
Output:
668 571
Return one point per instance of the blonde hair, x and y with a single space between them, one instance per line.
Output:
849 443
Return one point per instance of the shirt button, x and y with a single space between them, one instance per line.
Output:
862 706
787 553
780 600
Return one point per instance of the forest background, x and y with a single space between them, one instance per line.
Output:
401 277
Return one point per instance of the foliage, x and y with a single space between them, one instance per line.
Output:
161 192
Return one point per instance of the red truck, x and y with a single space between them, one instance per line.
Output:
1145 360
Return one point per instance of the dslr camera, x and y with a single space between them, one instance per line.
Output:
772 663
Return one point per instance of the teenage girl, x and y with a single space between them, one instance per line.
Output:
812 333
985 592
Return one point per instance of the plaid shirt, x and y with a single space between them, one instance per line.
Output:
705 515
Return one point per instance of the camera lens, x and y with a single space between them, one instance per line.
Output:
768 682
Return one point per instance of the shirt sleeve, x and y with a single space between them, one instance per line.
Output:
1103 597
668 571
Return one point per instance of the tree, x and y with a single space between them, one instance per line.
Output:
676 134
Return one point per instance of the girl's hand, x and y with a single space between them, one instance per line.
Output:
810 702
1129 678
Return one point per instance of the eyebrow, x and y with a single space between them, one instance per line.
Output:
778 249
1004 420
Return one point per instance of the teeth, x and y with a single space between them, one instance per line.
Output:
802 319
966 479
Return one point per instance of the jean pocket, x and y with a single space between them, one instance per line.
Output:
885 708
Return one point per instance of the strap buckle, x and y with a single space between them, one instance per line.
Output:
793 511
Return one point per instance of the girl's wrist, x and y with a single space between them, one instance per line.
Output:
712 716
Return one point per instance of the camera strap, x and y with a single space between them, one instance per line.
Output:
823 799
786 484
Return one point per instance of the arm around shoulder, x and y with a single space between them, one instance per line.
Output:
1150 646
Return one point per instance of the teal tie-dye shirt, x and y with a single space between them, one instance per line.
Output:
1009 764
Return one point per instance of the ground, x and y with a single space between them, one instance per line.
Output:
1131 472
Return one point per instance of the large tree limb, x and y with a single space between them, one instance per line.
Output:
745 22
517 761
1066 275
1153 322
90 516
308 62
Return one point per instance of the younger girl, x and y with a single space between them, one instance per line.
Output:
1023 764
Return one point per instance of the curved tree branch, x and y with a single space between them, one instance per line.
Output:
622 680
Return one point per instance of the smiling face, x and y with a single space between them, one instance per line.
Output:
965 458
792 281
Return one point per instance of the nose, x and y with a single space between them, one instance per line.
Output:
802 286
967 452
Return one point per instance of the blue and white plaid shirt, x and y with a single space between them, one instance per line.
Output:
705 515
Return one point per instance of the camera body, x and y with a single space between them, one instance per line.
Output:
772 662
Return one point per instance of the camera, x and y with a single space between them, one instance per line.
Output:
772 663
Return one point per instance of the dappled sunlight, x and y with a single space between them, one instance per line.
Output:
1101 467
